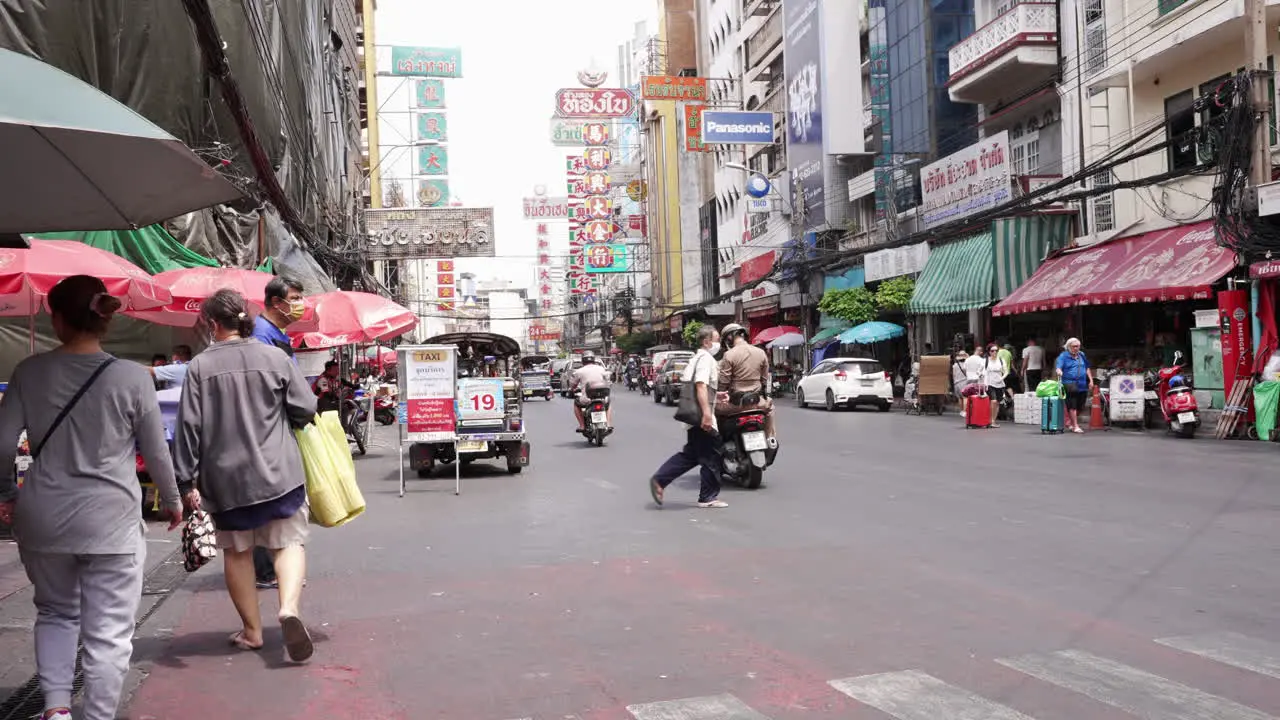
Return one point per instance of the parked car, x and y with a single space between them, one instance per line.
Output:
566 377
666 386
846 382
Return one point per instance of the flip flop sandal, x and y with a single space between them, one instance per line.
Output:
237 640
297 641
656 491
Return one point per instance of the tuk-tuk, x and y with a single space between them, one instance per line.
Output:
482 357
535 376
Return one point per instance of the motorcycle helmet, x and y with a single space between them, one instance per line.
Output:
1177 381
588 358
727 333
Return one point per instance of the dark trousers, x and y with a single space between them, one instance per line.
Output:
1033 379
700 450
263 566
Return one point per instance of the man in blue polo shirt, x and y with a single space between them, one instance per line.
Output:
284 306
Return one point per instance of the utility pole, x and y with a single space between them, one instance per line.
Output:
1255 43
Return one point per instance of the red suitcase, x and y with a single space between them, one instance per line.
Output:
978 413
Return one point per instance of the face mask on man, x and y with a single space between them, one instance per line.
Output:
715 350
296 309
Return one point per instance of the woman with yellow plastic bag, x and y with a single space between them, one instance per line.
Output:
235 456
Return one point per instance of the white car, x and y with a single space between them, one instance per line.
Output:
848 382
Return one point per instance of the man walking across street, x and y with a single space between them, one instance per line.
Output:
284 306
700 445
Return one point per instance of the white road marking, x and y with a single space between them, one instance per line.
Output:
913 695
1137 692
1232 649
715 707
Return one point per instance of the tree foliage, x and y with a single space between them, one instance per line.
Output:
852 305
636 343
895 293
690 333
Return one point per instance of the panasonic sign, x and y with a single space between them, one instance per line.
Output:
724 127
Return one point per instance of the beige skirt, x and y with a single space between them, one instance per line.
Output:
275 535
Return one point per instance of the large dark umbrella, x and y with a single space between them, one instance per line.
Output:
76 159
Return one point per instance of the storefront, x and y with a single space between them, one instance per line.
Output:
761 307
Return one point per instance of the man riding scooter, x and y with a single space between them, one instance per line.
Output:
328 388
591 375
744 369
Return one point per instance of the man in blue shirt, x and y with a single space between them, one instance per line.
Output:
284 306
171 376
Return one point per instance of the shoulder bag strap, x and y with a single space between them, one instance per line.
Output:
66 410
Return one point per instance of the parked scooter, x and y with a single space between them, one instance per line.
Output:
596 416
745 451
1178 400
384 410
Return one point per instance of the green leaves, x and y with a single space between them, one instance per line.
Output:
690 333
852 305
895 293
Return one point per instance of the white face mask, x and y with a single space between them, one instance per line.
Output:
715 350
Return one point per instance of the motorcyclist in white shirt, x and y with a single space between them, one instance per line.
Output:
590 375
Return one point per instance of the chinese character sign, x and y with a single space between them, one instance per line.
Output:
608 258
597 158
599 231
596 183
599 208
430 94
693 128
433 126
433 160
595 134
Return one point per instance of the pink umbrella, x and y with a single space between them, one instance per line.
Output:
343 317
27 276
192 286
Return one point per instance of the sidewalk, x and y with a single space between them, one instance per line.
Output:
17 614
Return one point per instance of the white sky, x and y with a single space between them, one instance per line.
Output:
515 55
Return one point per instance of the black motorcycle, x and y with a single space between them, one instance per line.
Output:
596 416
745 451
633 381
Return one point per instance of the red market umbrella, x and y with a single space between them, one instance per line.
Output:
380 355
27 276
192 286
773 333
343 317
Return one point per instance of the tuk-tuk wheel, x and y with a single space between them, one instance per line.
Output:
514 469
425 472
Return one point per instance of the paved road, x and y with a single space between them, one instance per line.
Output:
893 567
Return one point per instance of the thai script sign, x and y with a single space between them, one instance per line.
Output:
693 128
666 87
907 260
426 62
428 233
594 103
972 180
429 94
433 160
433 126
427 389
546 208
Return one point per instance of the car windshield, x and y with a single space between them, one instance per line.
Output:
860 367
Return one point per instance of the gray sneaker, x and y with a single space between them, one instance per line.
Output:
713 504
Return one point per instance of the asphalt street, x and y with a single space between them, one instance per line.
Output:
893 566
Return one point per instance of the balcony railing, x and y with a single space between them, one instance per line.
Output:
765 39
1027 23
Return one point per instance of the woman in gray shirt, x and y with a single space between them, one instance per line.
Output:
79 513
235 444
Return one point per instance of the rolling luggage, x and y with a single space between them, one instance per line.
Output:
1053 414
978 412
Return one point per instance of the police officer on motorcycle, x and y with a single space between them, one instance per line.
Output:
744 375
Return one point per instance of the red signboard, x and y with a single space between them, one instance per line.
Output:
444 266
597 158
444 279
756 268
599 208
693 128
598 231
1237 338
595 134
596 183
431 415
595 103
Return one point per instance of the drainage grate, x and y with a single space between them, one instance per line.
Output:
27 702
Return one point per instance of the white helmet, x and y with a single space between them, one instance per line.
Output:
728 331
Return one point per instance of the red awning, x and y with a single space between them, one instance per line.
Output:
1180 263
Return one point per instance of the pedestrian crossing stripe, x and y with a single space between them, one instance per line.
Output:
1232 649
916 695
1130 689
913 695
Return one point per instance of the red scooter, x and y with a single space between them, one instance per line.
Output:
1177 400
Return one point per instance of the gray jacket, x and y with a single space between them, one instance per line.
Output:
234 438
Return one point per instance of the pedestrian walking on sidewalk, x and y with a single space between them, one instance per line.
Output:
1077 379
78 516
700 448
236 456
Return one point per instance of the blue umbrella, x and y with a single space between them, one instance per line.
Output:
871 332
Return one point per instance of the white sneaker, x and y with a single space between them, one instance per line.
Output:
713 504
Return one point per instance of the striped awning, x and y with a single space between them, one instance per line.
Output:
959 276
1021 244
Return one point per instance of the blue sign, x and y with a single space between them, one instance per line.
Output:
726 127
803 60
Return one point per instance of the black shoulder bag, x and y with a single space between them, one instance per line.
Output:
66 409
688 411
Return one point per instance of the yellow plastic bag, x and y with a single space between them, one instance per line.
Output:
332 491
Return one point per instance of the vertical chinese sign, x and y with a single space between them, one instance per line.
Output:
693 128
580 283
544 269
446 285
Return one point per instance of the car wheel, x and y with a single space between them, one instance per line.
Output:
799 398
657 397
831 401
884 407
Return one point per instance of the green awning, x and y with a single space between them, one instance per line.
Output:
958 277
1021 244
151 248
827 334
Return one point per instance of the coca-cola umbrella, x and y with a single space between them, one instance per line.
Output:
192 286
28 274
344 317
77 159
